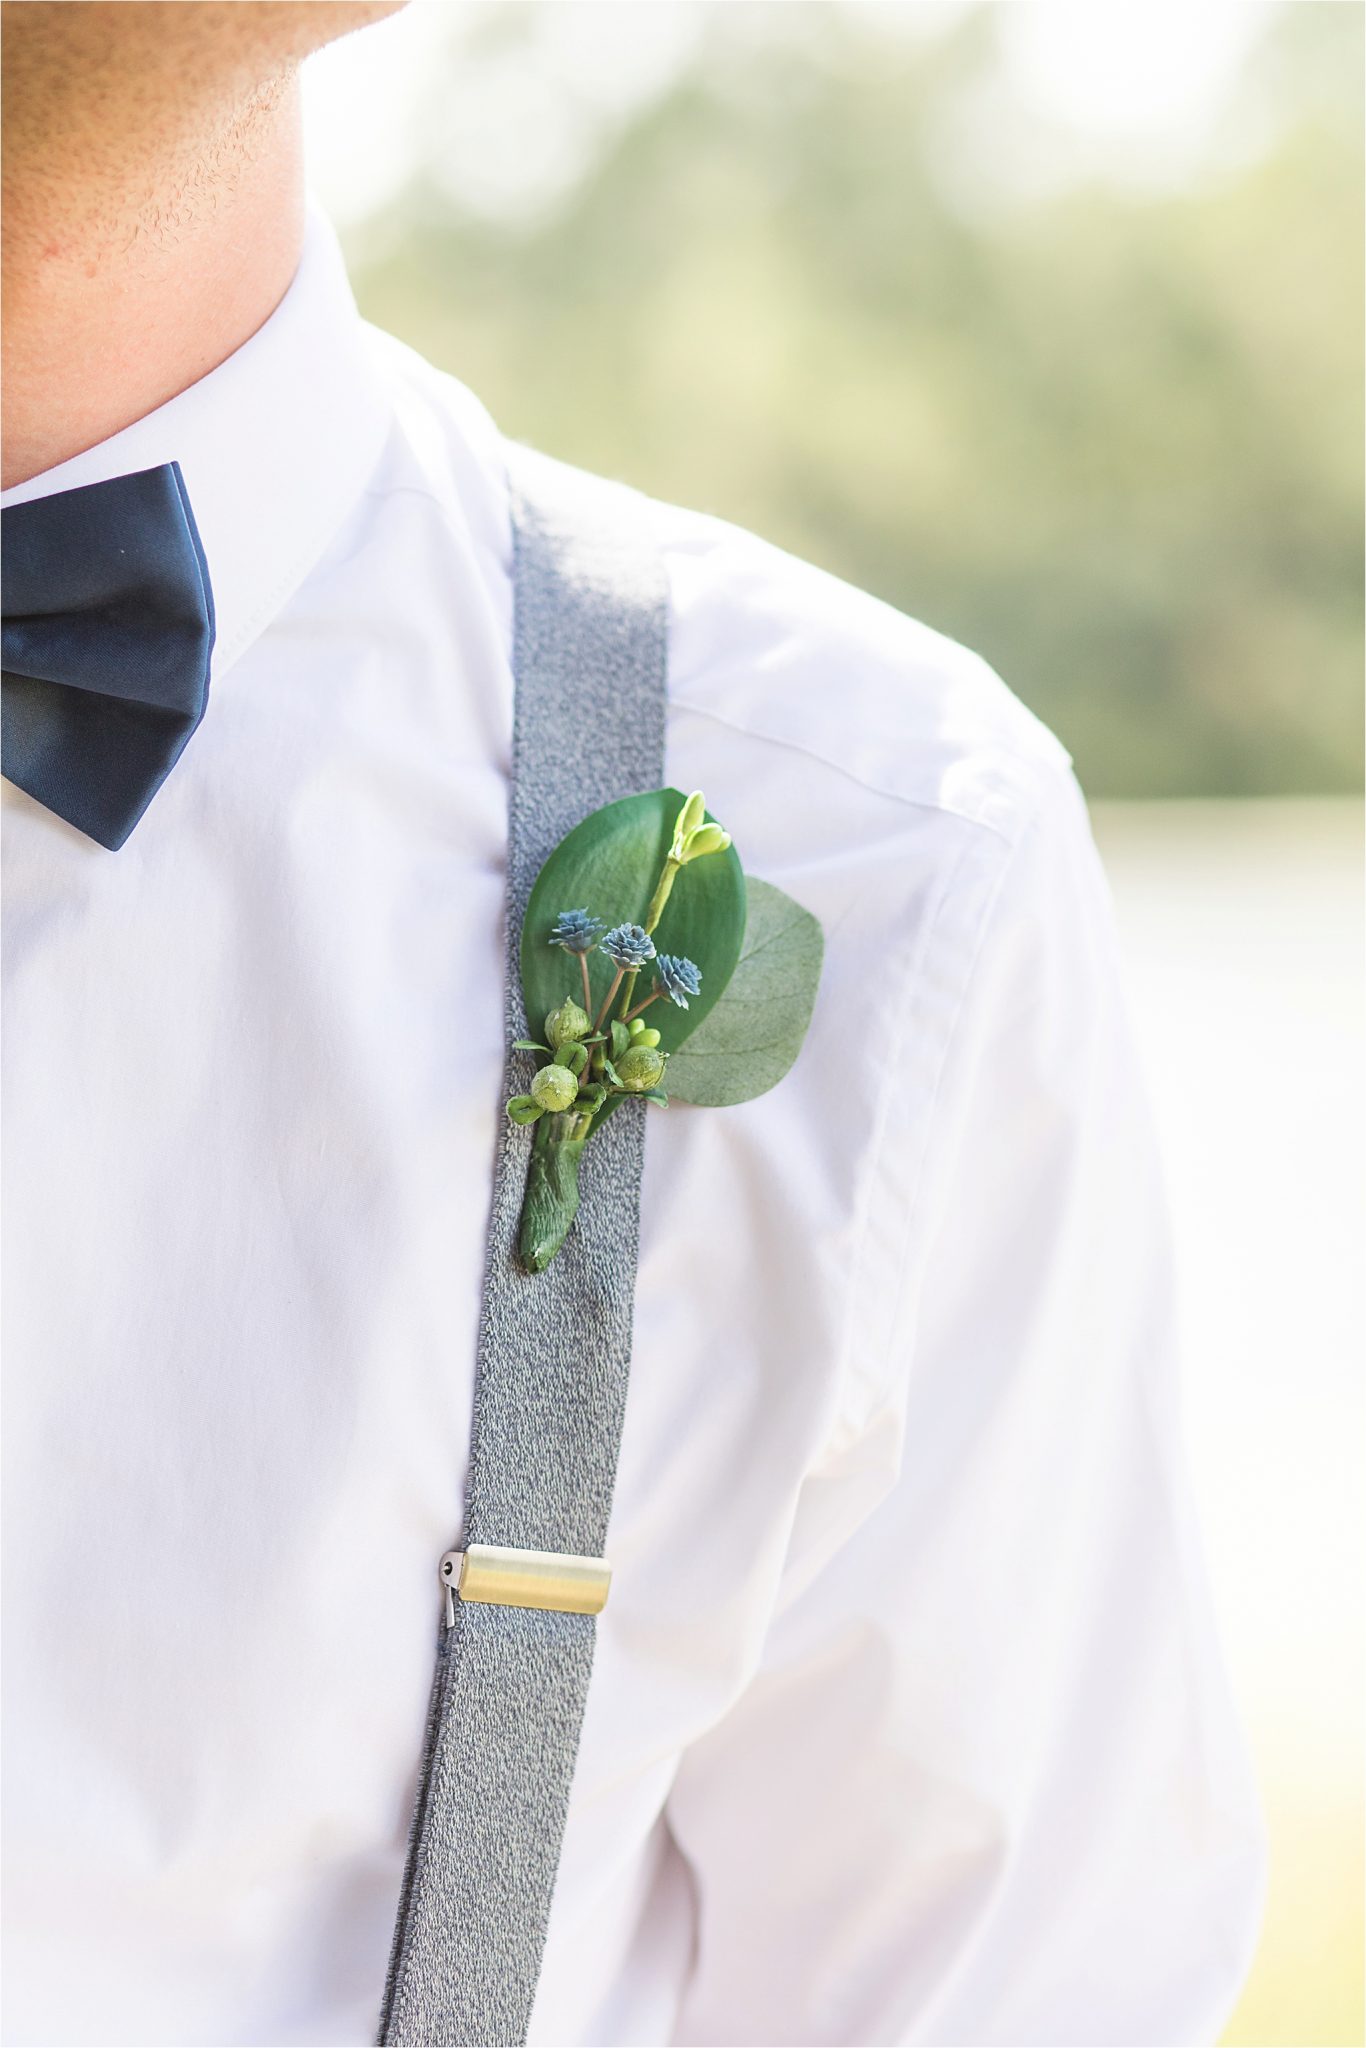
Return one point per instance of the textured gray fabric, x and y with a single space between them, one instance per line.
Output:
590 659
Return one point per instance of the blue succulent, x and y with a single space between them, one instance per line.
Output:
679 978
629 946
576 931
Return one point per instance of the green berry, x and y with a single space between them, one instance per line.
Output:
554 1087
639 1068
565 1025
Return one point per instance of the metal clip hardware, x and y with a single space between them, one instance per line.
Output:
498 1577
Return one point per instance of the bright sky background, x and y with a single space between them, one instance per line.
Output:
1121 89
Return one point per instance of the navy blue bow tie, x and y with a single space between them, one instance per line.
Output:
108 629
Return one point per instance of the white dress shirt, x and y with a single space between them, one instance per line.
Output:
906 1721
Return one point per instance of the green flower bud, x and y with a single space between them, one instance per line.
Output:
637 1025
690 817
707 839
646 1036
564 1025
640 1067
524 1109
554 1087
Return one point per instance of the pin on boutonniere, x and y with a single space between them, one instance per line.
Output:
660 971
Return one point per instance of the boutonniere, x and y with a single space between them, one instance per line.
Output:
657 969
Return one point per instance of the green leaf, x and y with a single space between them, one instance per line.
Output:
755 1032
575 1057
609 865
591 1097
528 1045
613 1076
524 1109
655 1095
621 1038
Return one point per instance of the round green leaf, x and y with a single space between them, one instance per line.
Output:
609 865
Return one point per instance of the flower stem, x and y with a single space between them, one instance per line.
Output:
652 917
653 997
607 999
661 895
587 986
552 1193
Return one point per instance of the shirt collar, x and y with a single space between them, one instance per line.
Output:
275 445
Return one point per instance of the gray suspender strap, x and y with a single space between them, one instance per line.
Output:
590 660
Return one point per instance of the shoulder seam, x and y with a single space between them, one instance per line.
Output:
1027 816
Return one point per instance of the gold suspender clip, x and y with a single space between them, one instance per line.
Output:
487 1573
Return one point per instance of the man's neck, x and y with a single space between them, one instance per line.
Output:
123 287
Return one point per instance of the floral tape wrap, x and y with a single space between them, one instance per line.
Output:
590 650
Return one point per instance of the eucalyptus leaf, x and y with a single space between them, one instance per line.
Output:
754 1033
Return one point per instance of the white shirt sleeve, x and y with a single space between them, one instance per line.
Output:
985 1784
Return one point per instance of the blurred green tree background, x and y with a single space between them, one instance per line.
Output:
1109 435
